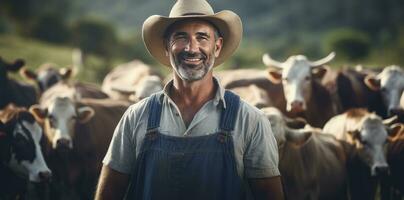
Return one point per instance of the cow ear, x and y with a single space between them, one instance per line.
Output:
298 137
395 132
372 82
65 73
85 113
38 112
17 65
28 74
274 76
319 72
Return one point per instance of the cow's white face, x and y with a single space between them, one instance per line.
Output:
373 136
390 82
297 76
60 118
296 81
26 156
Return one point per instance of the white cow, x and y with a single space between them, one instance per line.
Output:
390 82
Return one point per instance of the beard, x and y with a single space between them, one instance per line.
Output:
191 72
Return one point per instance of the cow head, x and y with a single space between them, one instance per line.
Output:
59 119
286 129
47 75
296 75
20 144
146 87
6 67
370 136
390 82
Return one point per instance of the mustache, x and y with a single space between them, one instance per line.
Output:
185 54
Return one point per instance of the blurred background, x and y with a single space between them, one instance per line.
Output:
108 32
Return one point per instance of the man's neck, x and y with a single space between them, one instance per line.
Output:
193 93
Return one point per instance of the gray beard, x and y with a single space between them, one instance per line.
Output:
189 74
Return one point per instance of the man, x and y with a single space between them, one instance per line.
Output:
193 140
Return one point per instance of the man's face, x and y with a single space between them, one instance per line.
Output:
192 48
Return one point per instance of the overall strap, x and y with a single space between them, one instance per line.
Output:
229 114
154 105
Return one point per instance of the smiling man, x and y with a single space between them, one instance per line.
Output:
193 140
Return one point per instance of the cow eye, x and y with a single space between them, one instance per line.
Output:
285 79
383 90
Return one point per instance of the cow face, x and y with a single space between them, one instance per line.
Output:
47 76
390 82
22 138
296 77
59 120
371 137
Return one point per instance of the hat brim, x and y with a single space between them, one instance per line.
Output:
228 23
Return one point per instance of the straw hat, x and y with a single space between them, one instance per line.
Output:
227 22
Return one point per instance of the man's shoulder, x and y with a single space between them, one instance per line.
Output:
249 111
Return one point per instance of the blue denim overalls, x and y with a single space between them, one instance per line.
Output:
188 168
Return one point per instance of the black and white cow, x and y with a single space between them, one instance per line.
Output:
21 157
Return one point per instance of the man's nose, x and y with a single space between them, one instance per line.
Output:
192 46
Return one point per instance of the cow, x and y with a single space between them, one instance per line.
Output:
12 91
305 95
47 75
78 133
22 161
365 134
349 86
253 95
312 164
394 183
390 82
128 78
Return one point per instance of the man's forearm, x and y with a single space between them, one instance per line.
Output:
267 188
111 185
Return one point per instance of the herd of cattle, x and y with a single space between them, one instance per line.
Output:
340 133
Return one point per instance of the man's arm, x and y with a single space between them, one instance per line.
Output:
266 188
112 184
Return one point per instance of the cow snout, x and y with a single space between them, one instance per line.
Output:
297 106
380 170
63 144
45 176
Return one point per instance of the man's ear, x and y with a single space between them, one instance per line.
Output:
38 113
218 46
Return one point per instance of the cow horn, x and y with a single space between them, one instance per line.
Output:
268 61
390 121
323 60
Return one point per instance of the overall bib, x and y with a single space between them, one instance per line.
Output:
187 168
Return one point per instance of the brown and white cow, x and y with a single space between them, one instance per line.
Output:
390 82
78 134
305 95
312 164
133 78
366 134
12 91
21 156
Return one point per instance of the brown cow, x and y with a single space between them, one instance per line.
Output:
366 134
305 95
21 159
78 134
12 91
129 78
312 164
